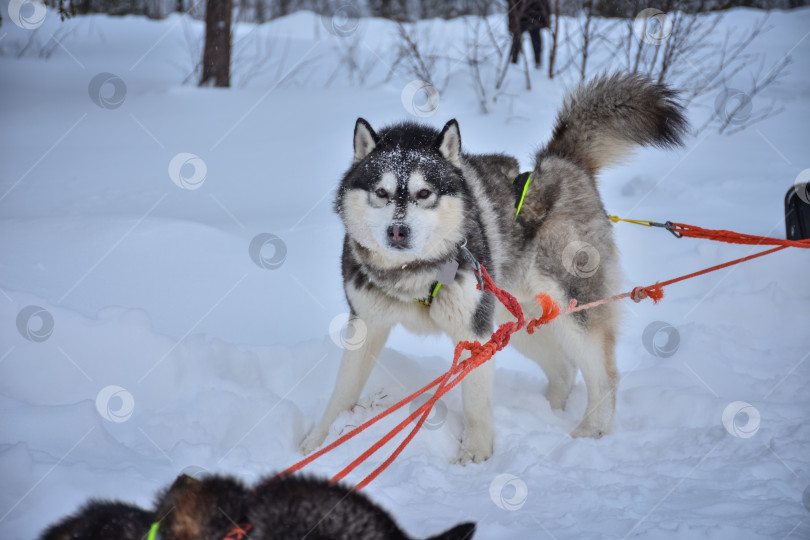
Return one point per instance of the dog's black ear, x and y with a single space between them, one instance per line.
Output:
449 143
464 531
364 139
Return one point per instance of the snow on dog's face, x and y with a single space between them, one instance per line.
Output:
403 197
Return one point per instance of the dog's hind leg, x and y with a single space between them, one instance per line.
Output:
592 351
355 368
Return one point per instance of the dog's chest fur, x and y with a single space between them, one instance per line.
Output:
405 283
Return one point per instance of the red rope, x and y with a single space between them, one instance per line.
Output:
656 291
238 532
478 355
732 237
500 338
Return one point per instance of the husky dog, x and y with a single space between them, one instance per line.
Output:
411 198
223 508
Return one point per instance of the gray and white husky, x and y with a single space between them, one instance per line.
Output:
412 198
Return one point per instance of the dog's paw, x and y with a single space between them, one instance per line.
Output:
557 397
476 453
312 441
467 455
586 430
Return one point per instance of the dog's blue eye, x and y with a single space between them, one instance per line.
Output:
381 193
423 194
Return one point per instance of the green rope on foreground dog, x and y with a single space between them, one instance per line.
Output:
153 531
528 176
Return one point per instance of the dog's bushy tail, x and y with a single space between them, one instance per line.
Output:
602 121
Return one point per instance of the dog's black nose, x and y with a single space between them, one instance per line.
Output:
398 234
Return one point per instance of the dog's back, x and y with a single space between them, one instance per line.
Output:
297 507
563 226
99 520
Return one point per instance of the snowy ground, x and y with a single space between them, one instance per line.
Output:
223 365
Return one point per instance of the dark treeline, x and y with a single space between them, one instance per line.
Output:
398 10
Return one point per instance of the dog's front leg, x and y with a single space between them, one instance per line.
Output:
355 367
476 393
466 314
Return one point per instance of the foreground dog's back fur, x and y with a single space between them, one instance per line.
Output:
412 197
210 508
306 507
99 520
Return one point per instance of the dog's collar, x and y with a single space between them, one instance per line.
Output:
447 274
154 533
237 533
521 185
428 300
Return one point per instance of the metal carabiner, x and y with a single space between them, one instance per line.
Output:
470 258
671 228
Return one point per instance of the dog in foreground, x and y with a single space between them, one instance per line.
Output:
222 508
412 198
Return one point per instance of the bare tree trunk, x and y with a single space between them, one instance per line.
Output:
261 11
503 72
554 33
284 7
217 52
586 39
526 66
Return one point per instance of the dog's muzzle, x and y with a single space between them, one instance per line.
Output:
399 236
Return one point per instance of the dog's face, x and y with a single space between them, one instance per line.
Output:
404 198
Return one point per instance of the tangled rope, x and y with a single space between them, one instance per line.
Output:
480 353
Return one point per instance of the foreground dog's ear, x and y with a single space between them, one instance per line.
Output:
449 142
364 139
193 508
